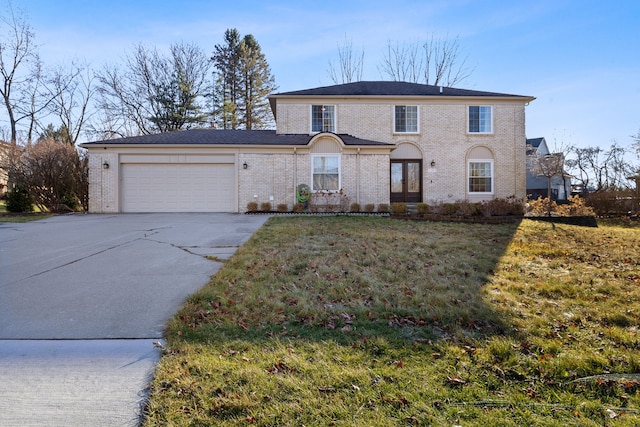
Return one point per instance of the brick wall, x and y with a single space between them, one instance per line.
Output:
442 137
364 177
103 183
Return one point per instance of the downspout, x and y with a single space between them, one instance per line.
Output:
358 175
516 166
295 175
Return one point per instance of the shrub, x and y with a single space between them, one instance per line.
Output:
383 207
575 207
70 202
465 208
398 208
355 207
265 206
449 208
54 174
369 207
282 207
606 203
422 208
252 207
542 206
329 201
503 207
298 207
18 200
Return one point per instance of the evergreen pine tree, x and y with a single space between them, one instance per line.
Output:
243 82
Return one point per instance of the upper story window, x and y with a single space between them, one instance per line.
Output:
480 119
326 172
323 118
406 119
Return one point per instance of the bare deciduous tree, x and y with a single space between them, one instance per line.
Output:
548 166
434 62
17 56
598 169
154 93
73 92
350 64
636 144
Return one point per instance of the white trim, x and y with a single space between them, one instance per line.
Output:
493 175
492 120
339 156
393 114
335 119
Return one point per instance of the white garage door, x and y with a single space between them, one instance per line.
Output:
152 187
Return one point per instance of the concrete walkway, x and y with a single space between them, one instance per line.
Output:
83 299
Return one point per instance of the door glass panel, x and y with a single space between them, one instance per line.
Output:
396 177
413 177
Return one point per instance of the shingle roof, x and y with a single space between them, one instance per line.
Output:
226 137
387 88
533 144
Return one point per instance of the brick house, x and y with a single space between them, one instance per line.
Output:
377 142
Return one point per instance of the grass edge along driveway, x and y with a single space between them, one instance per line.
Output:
377 322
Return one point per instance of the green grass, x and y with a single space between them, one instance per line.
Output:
377 322
21 217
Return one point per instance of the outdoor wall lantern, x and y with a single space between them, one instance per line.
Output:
105 165
433 163
245 165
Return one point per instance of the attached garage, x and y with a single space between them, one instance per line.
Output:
196 183
224 170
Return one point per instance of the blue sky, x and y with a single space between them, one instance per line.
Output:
579 58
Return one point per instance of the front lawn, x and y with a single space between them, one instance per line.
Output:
20 217
377 322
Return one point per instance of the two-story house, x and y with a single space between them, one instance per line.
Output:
537 182
377 142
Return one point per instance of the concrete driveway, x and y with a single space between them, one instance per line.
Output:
83 299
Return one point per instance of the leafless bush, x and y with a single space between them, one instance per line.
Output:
55 175
328 201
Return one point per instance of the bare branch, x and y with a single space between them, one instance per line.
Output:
350 64
435 62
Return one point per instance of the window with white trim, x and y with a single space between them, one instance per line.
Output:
481 176
480 119
323 118
325 172
406 119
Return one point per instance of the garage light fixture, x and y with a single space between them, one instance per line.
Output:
245 165
105 165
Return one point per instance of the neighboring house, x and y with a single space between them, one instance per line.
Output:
537 185
378 142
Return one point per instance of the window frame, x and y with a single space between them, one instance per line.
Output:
395 119
480 131
491 177
313 172
334 118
